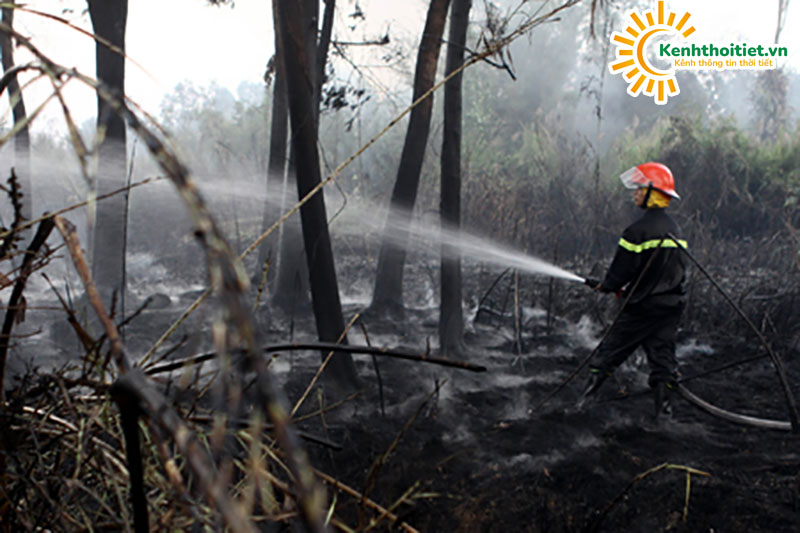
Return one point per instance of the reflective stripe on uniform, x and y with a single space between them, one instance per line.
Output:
654 243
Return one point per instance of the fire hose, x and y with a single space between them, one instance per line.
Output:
730 416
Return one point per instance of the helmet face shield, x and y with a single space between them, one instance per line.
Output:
633 178
647 174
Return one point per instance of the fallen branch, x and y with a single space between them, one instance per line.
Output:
370 350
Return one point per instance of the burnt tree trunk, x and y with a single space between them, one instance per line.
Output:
21 139
291 282
322 53
290 278
291 287
319 255
451 316
276 167
387 296
109 18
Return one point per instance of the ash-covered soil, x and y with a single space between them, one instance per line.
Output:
483 456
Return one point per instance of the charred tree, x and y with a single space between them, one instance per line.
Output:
322 53
291 285
291 282
276 167
291 20
451 315
387 296
21 139
109 18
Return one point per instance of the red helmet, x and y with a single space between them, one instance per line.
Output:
655 174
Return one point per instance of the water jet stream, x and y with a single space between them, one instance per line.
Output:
428 235
424 233
490 252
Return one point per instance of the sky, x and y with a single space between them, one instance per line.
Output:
172 41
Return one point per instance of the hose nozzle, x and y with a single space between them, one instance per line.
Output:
591 282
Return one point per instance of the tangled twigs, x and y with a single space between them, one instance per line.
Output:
384 513
595 525
226 275
134 384
85 339
16 295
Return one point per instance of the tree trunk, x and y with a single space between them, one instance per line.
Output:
388 294
291 287
291 282
451 318
109 18
21 140
319 254
322 53
276 168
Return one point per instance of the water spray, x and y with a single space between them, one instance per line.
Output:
427 234
491 252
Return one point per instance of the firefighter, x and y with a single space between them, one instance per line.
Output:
647 273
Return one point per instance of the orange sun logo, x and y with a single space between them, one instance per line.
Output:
632 63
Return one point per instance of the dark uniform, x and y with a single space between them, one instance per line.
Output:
650 318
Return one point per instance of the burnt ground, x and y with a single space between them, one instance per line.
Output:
484 457
493 463
479 452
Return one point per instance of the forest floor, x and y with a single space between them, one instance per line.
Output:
478 452
482 455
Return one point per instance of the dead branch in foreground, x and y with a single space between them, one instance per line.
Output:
15 310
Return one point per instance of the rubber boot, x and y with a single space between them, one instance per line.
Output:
663 406
594 382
